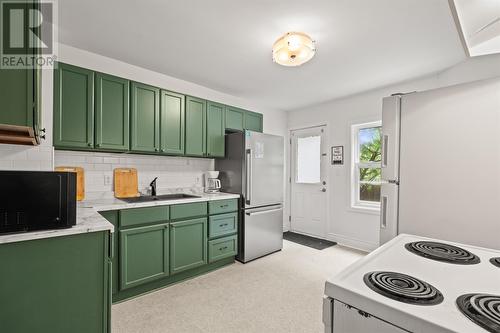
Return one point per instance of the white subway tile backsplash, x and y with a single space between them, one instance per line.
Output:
173 173
15 157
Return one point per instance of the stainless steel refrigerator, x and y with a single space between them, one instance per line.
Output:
253 167
441 164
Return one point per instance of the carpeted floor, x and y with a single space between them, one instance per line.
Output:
278 293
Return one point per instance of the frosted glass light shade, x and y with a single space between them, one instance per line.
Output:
293 49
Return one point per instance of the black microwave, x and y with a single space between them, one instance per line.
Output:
37 200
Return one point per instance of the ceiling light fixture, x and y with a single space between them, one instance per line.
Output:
293 49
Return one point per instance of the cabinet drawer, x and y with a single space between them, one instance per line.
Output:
222 248
222 206
221 225
136 216
188 210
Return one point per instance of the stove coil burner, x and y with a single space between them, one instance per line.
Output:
495 261
403 288
443 252
482 309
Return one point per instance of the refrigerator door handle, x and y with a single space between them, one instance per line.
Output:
383 213
248 186
385 144
264 212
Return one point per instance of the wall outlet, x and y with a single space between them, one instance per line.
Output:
107 180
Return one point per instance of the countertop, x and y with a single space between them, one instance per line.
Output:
89 220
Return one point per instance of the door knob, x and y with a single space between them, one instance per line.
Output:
323 190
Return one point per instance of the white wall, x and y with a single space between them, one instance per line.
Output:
350 227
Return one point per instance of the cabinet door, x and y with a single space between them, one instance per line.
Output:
234 118
143 255
111 112
196 118
172 123
215 129
15 96
73 107
145 115
188 244
253 121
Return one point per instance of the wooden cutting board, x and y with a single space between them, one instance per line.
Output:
80 180
126 185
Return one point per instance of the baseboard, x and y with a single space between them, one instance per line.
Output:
354 243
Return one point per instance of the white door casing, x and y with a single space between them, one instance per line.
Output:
308 181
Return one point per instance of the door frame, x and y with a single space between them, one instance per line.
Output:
326 177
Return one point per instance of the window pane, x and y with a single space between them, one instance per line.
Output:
308 159
370 174
369 144
369 192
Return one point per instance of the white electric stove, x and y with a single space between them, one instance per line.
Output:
416 284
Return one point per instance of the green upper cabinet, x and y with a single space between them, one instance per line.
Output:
73 107
145 118
144 255
172 123
253 121
188 244
234 118
196 118
215 129
111 113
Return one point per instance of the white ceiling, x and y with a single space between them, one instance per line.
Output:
226 44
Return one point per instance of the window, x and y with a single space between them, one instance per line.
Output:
308 160
366 166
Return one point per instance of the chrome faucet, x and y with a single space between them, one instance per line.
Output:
153 187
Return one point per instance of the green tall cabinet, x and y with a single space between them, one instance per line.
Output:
196 118
111 112
73 107
215 129
145 118
172 123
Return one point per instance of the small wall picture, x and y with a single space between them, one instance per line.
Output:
337 155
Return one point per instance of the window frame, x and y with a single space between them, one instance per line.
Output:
356 165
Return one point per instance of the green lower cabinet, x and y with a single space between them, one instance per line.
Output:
215 129
58 284
222 248
188 244
253 121
144 255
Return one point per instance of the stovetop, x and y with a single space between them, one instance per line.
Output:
421 268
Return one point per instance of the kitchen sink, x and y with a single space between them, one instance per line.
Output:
164 197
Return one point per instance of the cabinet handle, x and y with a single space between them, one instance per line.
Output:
162 150
222 248
89 144
98 145
223 206
223 225
156 149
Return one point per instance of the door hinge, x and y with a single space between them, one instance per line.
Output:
290 179
289 218
290 141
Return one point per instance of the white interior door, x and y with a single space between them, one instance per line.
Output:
309 187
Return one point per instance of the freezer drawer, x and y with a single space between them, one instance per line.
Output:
262 232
